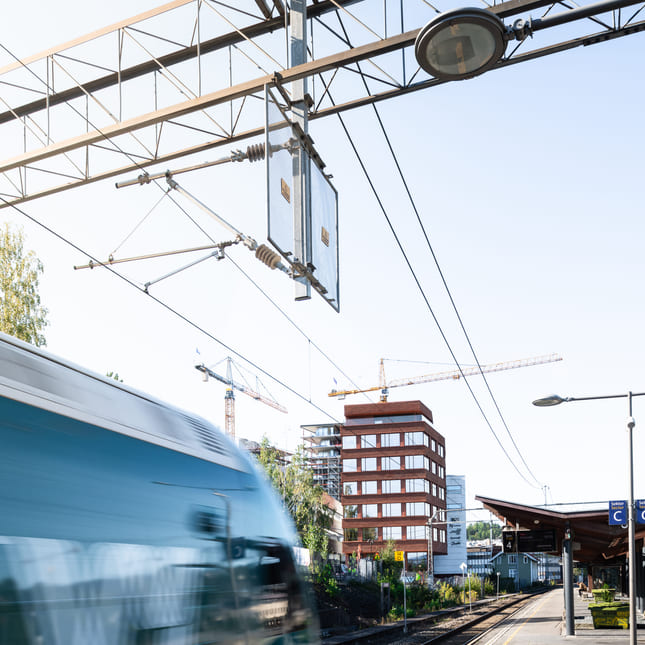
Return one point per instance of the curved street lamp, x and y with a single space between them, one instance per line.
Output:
554 399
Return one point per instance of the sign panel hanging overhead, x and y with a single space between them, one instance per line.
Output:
617 513
539 540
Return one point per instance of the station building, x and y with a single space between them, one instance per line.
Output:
393 481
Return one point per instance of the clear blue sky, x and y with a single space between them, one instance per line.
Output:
528 180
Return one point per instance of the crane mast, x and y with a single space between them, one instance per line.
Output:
229 397
384 386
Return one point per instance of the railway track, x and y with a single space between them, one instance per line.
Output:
451 627
468 628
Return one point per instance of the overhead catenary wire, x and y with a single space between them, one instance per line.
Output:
133 283
449 293
170 309
436 262
425 298
294 324
422 291
134 162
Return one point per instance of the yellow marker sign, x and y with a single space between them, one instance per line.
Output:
398 556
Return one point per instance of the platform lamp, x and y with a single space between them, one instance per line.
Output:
466 42
461 43
556 400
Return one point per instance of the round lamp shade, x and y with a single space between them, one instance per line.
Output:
460 44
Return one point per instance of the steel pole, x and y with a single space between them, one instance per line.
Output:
632 533
301 179
567 579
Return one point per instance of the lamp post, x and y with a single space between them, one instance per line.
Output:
498 585
430 564
463 566
556 400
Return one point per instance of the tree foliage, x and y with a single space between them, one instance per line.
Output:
21 314
301 497
390 566
482 531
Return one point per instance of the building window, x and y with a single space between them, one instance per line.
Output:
369 488
351 535
350 488
417 508
370 510
442 493
440 450
416 461
435 534
391 532
417 486
416 439
349 443
512 573
434 490
368 463
390 440
391 487
368 441
418 560
442 535
416 532
434 467
349 465
512 558
442 472
390 463
391 510
526 559
370 534
350 511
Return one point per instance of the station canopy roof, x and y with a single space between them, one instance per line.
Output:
594 540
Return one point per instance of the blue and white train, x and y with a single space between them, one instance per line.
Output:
125 521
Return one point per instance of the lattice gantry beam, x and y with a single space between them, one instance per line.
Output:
189 76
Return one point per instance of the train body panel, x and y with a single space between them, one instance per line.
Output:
126 521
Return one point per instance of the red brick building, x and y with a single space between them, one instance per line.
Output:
393 480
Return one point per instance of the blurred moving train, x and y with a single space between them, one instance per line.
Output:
126 521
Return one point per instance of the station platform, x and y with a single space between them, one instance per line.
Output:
543 622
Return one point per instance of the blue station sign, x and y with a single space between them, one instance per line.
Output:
617 513
640 511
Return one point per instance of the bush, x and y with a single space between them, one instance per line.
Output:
447 595
614 604
324 576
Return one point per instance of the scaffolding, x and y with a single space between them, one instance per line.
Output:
322 451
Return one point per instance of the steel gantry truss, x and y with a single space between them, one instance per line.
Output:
189 76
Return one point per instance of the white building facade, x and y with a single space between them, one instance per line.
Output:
449 565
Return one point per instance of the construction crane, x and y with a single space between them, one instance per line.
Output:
229 397
384 386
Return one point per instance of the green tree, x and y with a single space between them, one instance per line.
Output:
390 567
482 531
302 498
21 314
